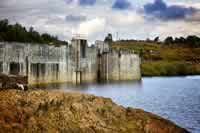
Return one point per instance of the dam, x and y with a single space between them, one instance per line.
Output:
73 63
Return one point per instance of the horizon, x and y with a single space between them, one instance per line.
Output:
124 19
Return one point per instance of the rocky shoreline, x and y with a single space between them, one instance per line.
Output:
57 112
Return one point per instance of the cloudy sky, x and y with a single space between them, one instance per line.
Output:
131 19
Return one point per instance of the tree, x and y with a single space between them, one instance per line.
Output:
148 40
108 38
3 25
180 40
169 40
18 33
157 39
193 41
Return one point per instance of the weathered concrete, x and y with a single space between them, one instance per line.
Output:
74 63
117 64
41 63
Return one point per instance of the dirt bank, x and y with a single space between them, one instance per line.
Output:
46 111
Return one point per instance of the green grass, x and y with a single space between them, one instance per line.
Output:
166 68
159 60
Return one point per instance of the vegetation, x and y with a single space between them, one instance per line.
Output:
108 38
190 41
161 59
18 33
171 68
51 112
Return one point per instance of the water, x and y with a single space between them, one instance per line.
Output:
174 98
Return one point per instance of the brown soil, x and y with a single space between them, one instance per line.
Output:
57 112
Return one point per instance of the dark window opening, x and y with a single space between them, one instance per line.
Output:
1 67
35 70
43 69
14 68
57 70
83 48
38 70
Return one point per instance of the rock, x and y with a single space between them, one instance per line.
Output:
20 86
13 82
46 111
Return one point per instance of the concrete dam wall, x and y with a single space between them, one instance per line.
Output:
74 63
118 65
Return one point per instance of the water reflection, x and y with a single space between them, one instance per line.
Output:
88 87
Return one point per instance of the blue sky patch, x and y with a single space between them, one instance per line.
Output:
121 4
87 2
161 10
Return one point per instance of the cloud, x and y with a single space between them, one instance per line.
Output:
177 29
82 2
92 27
121 5
121 19
194 18
159 9
62 19
75 18
69 1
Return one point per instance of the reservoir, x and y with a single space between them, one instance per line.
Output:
174 98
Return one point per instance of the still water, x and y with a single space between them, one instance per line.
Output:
174 98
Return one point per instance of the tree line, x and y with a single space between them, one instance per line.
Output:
191 41
18 33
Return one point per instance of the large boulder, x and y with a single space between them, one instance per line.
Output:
50 111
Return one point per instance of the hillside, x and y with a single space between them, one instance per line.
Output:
164 60
46 111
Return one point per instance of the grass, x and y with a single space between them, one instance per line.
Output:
160 60
173 68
